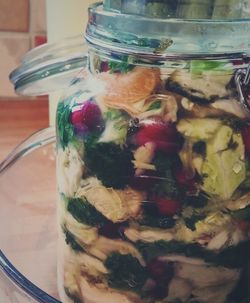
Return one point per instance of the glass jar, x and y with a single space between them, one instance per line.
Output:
153 148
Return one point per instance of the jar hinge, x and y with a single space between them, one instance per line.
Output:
242 79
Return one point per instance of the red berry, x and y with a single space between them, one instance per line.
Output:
88 115
105 66
164 135
183 180
246 139
156 268
76 117
91 114
168 207
162 273
244 225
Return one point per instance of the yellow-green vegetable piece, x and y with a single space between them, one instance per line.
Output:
223 168
199 129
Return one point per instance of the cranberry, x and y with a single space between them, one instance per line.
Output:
157 268
168 207
162 272
89 115
244 225
104 67
163 134
183 180
76 117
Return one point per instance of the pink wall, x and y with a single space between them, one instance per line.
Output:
22 26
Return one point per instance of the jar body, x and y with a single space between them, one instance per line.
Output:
152 166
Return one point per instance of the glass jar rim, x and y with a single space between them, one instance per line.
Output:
52 67
170 36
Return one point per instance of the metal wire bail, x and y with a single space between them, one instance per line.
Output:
242 80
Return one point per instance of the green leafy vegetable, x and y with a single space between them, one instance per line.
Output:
199 201
245 185
242 214
125 272
161 248
168 186
234 256
111 163
155 105
71 241
121 66
85 213
65 129
116 127
231 257
200 66
72 296
157 221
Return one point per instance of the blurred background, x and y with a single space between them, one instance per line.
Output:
25 24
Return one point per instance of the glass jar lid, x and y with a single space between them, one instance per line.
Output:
50 67
170 28
182 9
125 27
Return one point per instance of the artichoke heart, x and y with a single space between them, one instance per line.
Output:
84 234
70 169
115 205
223 167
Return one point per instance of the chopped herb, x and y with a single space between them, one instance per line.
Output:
72 296
65 130
85 213
199 201
111 163
116 127
157 221
71 241
155 105
168 186
120 66
200 66
235 123
200 148
242 214
231 257
159 248
125 272
190 222
152 218
234 256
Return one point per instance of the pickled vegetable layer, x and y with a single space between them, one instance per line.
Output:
153 176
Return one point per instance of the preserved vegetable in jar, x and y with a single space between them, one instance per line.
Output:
153 166
153 153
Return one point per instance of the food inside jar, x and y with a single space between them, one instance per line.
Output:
153 176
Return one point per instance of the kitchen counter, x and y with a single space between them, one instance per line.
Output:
19 118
